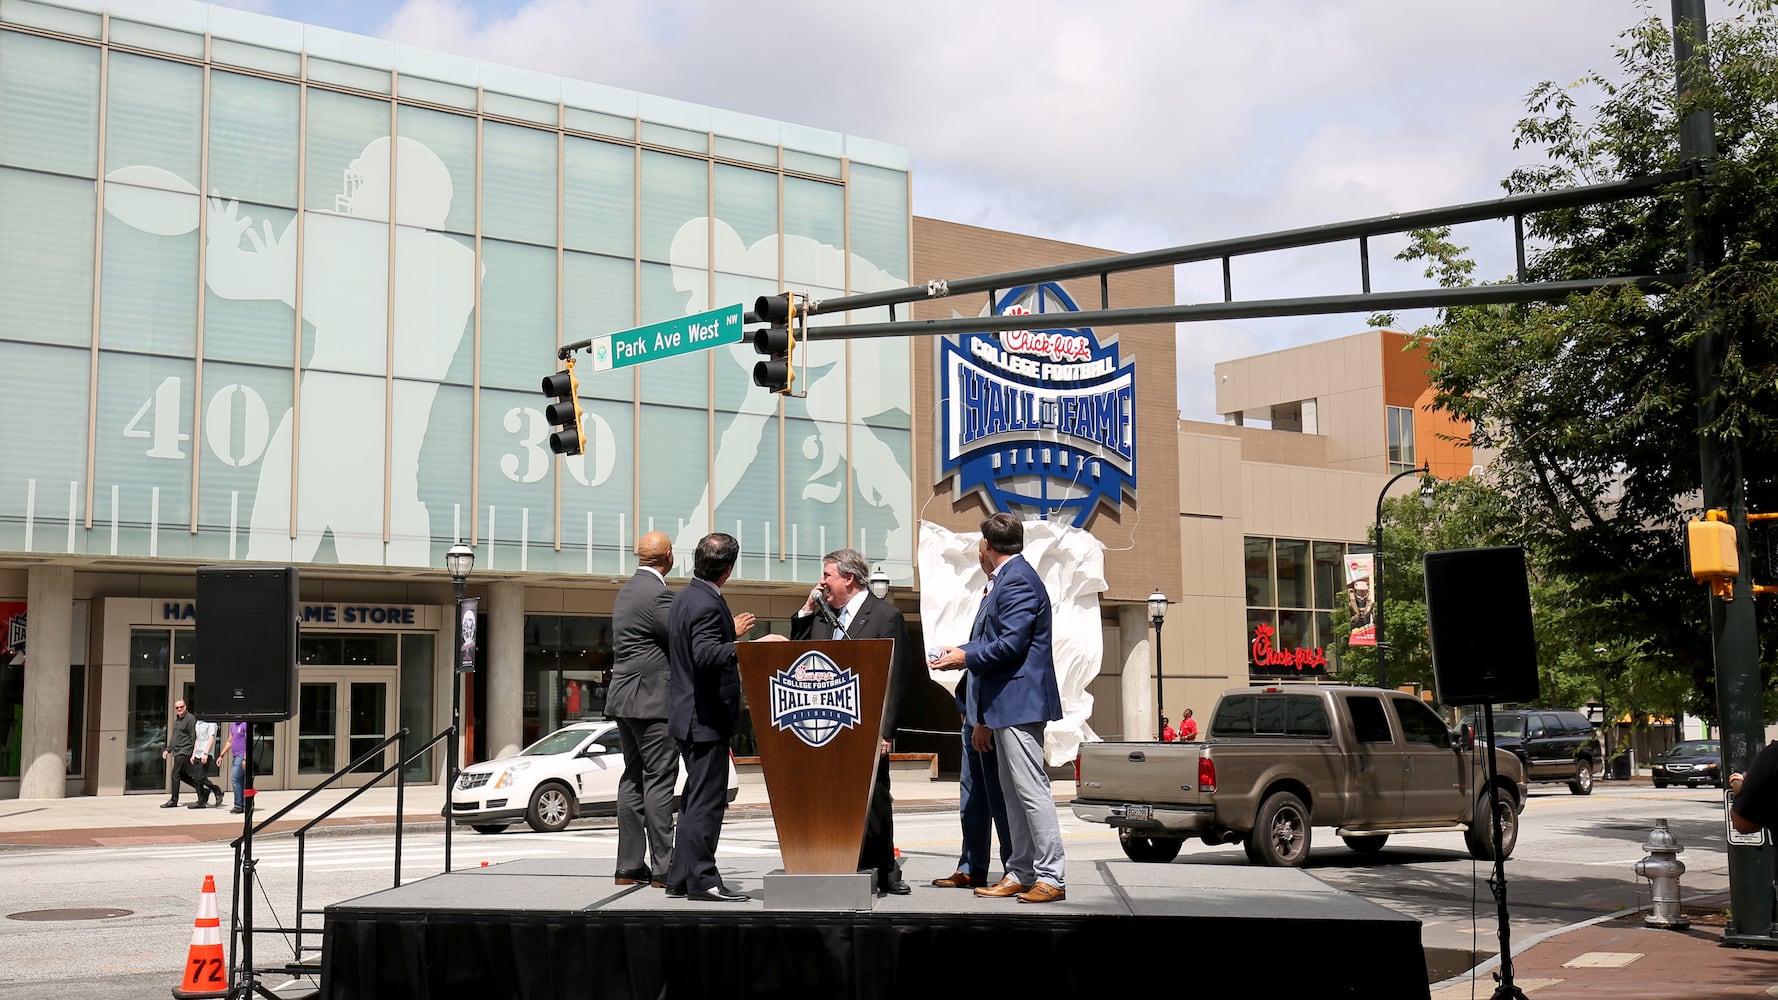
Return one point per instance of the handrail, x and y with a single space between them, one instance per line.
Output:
399 769
328 781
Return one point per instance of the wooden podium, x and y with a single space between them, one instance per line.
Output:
817 712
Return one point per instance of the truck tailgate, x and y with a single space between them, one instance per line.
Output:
1156 773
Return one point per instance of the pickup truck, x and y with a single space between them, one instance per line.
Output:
1280 761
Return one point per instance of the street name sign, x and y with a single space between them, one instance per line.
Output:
668 339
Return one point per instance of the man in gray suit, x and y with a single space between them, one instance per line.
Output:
640 676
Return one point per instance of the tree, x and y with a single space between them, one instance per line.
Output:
1592 404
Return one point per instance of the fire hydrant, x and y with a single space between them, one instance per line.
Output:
1663 868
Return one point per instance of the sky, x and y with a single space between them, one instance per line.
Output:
1122 124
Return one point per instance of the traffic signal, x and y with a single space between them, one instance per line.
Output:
564 413
777 342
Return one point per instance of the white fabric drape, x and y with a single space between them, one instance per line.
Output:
1071 563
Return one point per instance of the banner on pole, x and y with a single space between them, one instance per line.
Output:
466 623
1360 570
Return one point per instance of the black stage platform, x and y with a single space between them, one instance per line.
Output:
560 929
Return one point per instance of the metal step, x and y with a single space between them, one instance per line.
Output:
297 989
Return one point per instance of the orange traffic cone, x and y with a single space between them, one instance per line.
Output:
205 972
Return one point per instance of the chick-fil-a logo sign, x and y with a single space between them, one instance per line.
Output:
1268 658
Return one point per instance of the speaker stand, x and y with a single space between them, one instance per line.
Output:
248 983
1507 990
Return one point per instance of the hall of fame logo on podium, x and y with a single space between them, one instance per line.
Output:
815 698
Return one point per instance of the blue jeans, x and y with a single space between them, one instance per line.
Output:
237 774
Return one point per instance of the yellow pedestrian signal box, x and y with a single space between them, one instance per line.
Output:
1711 547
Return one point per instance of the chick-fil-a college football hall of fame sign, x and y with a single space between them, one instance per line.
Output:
814 699
1040 422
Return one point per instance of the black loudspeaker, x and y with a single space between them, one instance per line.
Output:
246 655
1478 608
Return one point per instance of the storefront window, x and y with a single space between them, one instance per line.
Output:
1293 573
12 718
1292 586
76 719
1259 572
150 656
416 700
1329 583
567 671
344 650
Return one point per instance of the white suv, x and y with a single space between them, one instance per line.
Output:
571 772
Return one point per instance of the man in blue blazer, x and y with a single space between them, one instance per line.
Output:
704 705
1013 677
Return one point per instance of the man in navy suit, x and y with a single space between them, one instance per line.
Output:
981 808
705 703
1013 677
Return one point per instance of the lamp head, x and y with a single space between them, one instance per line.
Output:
1157 606
459 560
879 583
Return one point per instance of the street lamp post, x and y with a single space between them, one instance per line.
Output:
1157 614
1377 567
459 560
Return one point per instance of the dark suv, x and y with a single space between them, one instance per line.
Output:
1554 746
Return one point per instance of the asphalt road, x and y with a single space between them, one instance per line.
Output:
1574 861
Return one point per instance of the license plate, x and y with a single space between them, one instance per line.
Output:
1138 812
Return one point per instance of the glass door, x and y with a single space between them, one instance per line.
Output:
317 731
368 723
341 714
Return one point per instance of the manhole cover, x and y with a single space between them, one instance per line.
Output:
89 913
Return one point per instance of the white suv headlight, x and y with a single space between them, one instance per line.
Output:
510 774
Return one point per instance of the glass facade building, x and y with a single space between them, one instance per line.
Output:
286 295
271 292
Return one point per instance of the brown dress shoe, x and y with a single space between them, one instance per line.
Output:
1005 887
1042 892
958 880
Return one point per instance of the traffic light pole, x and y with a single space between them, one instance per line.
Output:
1733 636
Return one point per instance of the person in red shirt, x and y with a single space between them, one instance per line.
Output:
1188 729
1167 733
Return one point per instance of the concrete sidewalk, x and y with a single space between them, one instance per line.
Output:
1615 957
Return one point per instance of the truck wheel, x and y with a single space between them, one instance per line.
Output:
1480 837
1583 777
1280 837
1251 846
1152 850
1369 843
551 808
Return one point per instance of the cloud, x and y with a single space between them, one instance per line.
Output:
1123 124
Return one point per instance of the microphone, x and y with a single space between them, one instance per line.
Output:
827 615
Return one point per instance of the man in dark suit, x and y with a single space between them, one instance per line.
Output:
981 808
1014 678
852 612
704 705
640 677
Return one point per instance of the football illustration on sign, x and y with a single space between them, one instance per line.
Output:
815 698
